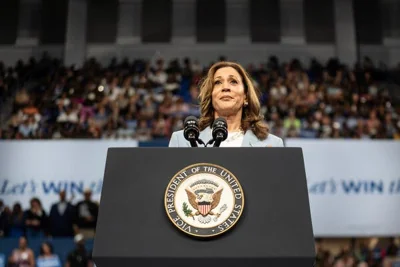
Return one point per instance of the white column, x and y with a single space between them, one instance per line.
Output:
29 22
183 21
346 43
237 21
292 22
129 22
75 41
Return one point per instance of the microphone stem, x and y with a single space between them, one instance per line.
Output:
193 143
217 142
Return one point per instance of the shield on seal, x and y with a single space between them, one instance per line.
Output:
204 208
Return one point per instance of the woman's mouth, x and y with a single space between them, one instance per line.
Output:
226 98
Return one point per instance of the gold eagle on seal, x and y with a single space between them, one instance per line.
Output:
204 203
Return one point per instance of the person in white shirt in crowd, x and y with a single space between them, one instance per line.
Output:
22 256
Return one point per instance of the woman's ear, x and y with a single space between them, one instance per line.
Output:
245 102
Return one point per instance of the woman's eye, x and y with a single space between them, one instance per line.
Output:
218 82
234 81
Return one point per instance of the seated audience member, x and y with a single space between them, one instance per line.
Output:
47 258
79 257
22 256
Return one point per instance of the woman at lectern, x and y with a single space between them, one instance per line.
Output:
229 113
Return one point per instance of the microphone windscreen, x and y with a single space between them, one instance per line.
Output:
191 119
221 122
191 128
220 127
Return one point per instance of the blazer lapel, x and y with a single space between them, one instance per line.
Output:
250 140
247 139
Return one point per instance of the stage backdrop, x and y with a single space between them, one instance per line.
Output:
43 168
354 186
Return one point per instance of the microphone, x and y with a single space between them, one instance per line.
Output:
219 131
191 130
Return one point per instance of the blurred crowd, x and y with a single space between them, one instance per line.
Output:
78 222
42 99
63 220
66 220
24 255
371 253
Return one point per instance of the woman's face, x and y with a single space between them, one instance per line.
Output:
46 249
22 243
228 93
35 205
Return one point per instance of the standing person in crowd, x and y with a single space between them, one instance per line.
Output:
36 219
3 219
16 221
62 218
87 211
23 256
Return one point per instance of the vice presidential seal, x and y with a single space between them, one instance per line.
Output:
204 200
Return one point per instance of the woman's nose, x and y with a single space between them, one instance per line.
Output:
226 89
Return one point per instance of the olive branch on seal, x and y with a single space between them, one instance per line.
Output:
187 211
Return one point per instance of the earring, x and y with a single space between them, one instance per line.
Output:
245 103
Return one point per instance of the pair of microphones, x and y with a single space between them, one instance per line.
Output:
191 131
